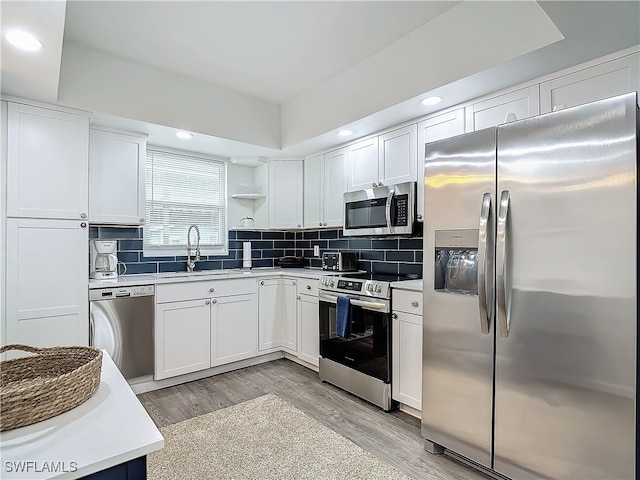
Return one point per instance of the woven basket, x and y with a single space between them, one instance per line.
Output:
38 387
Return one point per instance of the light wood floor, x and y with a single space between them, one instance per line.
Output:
392 437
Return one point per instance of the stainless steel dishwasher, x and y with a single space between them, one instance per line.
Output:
121 322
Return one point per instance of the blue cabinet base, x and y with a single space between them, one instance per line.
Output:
135 469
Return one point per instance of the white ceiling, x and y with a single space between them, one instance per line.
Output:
270 50
279 78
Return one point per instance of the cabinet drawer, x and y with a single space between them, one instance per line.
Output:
190 290
307 286
407 301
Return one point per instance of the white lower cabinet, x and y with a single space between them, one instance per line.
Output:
289 316
406 383
42 310
182 338
277 314
199 325
233 329
308 329
196 334
269 312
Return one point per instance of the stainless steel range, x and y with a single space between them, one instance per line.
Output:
355 337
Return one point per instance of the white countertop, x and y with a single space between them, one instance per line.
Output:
110 428
173 277
413 285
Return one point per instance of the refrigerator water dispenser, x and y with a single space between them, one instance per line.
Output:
456 261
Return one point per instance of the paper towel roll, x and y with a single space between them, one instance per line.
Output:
246 254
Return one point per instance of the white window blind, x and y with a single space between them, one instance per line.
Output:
184 190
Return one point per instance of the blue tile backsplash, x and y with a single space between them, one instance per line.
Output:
388 258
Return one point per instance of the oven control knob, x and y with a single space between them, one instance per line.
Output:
378 289
369 287
331 283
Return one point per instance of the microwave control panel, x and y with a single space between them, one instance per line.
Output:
402 209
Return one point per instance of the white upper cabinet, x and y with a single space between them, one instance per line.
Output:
314 182
601 81
285 193
335 184
436 127
116 178
325 181
362 164
47 163
398 156
504 108
387 159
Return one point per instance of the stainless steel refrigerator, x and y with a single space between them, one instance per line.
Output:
530 338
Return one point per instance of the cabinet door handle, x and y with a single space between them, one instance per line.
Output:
83 224
262 282
394 316
141 219
374 184
320 224
214 301
207 302
414 304
325 224
211 289
298 297
308 287
294 282
83 215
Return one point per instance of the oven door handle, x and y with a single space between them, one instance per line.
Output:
357 303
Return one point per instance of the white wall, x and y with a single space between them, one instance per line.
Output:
154 95
3 219
486 34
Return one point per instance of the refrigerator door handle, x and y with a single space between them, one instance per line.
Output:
485 254
504 297
388 210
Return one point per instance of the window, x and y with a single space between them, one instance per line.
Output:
184 190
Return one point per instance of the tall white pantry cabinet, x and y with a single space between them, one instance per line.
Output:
47 231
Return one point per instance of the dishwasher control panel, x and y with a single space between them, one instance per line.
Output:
121 292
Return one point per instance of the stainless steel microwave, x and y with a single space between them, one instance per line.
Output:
387 210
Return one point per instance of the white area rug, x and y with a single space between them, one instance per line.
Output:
264 438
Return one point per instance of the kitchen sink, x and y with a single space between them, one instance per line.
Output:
204 273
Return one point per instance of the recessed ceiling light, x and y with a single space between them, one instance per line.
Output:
345 133
430 101
184 135
23 40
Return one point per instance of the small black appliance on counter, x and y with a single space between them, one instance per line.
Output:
290 262
340 261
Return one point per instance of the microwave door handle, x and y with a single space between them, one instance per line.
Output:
388 210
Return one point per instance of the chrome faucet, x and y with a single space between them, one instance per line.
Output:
192 263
